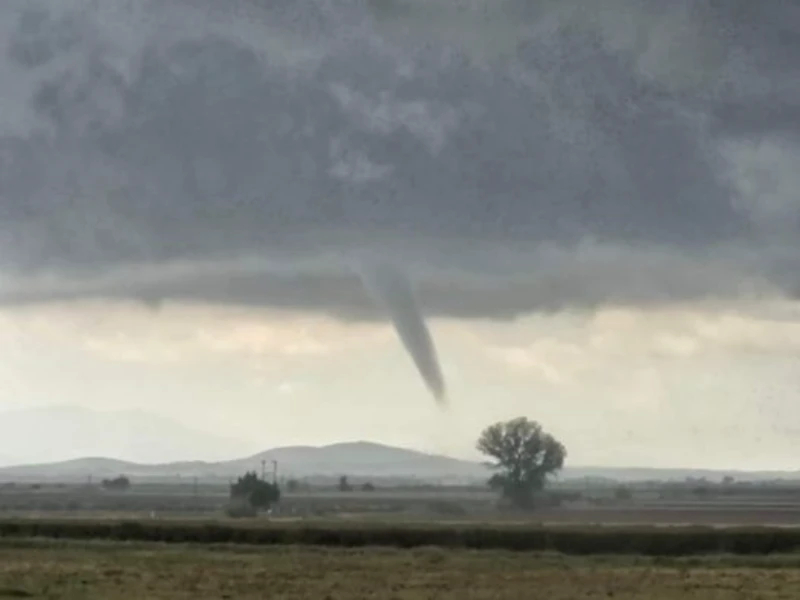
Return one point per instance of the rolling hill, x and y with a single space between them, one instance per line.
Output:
354 459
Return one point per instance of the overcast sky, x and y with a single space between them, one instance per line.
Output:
597 207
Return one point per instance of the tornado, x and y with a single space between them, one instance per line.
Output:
391 289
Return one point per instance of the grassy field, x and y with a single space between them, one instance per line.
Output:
72 570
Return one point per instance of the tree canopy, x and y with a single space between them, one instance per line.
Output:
259 494
523 455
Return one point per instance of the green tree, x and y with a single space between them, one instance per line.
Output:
258 493
523 455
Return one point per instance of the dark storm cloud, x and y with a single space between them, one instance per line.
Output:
593 160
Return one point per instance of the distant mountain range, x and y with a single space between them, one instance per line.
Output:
158 449
357 460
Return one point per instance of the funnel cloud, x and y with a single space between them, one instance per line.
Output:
392 289
507 158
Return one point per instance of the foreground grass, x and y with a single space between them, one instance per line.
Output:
89 570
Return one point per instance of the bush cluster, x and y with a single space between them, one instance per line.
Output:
574 540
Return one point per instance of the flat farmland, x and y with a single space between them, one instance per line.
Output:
712 514
106 570
209 501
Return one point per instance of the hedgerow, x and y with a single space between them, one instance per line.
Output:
650 541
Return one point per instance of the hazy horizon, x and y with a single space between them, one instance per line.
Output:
116 428
267 224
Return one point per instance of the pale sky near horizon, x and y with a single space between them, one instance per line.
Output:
206 208
691 387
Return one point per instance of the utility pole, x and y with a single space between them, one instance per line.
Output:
275 472
263 469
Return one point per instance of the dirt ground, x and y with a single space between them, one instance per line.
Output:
112 571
